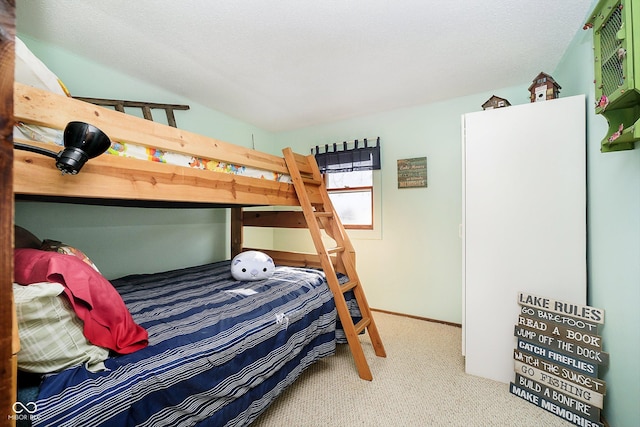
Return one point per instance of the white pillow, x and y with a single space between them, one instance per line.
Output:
252 265
29 70
51 337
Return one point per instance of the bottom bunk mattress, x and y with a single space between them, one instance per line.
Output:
220 350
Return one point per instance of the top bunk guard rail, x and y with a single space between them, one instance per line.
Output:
120 178
145 107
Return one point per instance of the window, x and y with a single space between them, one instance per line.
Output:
352 196
348 170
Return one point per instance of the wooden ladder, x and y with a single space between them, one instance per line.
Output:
306 178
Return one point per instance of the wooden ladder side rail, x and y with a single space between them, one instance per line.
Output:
323 214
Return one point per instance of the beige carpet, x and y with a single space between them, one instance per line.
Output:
421 382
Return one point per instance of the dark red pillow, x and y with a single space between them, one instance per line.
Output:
107 321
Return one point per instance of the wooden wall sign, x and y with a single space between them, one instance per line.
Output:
412 173
554 400
570 375
578 392
557 356
568 347
569 322
561 332
583 312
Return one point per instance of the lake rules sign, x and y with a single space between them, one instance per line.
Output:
557 357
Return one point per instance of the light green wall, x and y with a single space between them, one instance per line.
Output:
613 230
128 240
123 241
414 265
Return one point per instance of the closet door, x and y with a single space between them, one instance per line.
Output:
524 221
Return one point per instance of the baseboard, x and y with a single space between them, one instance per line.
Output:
457 325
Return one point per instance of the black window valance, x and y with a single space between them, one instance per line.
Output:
348 156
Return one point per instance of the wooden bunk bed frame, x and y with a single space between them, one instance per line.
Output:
110 179
8 331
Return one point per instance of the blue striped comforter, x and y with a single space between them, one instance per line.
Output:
220 351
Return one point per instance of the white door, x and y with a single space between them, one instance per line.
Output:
524 221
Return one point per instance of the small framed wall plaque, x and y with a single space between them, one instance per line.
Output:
412 173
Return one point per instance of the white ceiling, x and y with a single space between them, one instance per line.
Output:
286 64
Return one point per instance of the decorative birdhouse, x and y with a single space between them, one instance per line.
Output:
543 88
495 102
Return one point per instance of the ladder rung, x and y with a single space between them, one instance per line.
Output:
335 250
311 181
348 286
362 324
323 214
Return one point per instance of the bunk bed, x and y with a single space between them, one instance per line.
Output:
222 360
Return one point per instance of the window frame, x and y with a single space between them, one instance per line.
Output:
369 188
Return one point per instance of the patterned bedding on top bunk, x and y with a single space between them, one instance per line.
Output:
220 350
27 132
